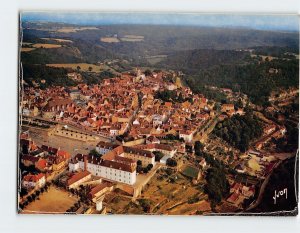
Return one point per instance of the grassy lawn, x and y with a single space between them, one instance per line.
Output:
190 171
83 66
53 201
46 46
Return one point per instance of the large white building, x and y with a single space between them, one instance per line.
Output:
118 169
117 165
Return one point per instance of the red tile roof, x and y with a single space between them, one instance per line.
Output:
33 178
78 176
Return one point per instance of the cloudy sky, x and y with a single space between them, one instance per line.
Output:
263 22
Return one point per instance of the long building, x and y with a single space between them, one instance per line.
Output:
119 169
117 165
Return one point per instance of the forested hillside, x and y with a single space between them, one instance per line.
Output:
253 79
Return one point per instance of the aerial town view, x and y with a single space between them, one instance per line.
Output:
158 114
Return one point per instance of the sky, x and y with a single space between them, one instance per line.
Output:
260 22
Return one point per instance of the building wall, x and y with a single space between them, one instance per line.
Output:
166 152
102 151
29 184
114 132
112 174
58 166
135 142
99 205
77 183
186 138
106 189
73 167
109 173
145 160
75 135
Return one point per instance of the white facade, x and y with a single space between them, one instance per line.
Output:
108 173
167 152
102 150
186 137
31 184
99 205
114 132
112 174
73 167
157 120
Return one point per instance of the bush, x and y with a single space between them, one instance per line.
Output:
171 162
158 155
145 204
150 166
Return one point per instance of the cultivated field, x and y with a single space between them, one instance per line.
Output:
53 201
155 59
65 29
109 39
46 46
75 29
190 171
58 40
132 38
27 49
126 38
177 197
83 66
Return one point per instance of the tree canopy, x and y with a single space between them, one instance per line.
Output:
238 130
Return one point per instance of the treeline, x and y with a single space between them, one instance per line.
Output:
191 61
208 93
239 131
94 78
170 96
65 54
58 76
252 79
276 51
52 76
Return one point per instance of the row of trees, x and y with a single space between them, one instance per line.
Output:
141 169
52 75
33 196
95 153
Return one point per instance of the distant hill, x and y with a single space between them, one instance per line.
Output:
191 61
157 40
